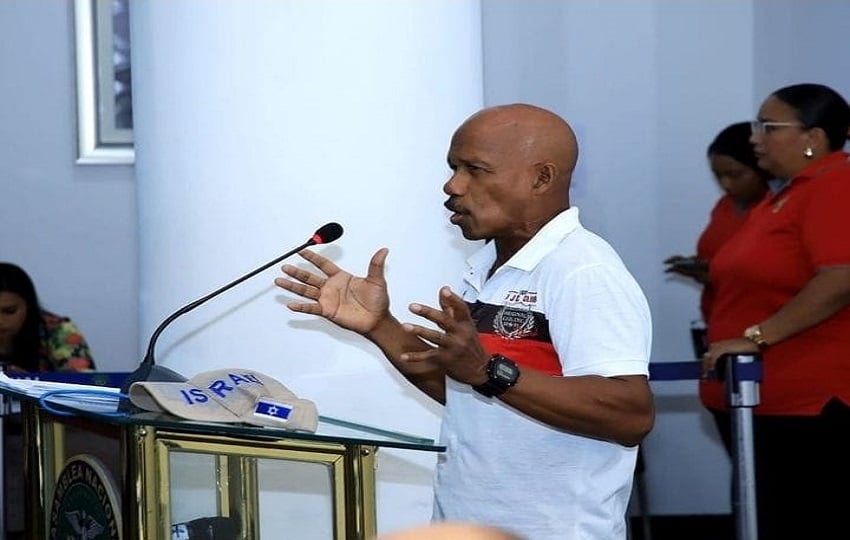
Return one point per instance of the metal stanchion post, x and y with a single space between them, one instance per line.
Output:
3 413
741 396
4 410
741 374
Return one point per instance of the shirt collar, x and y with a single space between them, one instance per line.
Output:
540 245
820 165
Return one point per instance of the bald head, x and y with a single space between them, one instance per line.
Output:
532 133
451 531
511 171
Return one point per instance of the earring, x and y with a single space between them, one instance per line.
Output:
808 152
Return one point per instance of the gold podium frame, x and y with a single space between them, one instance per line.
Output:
145 484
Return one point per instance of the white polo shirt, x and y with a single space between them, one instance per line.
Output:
566 305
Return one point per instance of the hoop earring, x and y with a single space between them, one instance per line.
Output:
808 152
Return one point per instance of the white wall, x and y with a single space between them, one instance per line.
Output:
646 85
799 42
248 140
72 227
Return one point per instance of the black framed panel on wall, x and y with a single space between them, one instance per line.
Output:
104 95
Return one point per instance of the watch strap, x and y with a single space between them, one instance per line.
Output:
488 389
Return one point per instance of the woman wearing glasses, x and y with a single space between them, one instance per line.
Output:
782 289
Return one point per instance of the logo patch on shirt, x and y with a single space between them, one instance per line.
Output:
515 319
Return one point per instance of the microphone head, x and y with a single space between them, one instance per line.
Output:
327 233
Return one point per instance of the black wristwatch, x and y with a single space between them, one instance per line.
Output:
502 373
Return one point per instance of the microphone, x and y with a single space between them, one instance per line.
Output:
148 370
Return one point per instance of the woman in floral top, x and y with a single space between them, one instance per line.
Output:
31 338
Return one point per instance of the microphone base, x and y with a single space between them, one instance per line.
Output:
146 373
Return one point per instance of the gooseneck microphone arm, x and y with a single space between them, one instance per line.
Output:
148 370
149 356
324 235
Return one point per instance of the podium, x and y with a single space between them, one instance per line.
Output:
164 468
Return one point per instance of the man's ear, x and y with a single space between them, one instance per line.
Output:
546 174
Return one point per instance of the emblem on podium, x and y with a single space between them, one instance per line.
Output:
84 502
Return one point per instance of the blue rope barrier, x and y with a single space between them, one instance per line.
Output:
680 371
674 371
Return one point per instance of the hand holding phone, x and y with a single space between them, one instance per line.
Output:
688 263
691 267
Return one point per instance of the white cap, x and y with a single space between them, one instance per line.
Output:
228 395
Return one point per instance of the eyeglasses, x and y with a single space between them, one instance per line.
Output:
759 127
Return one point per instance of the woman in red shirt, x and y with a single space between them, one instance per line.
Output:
735 167
782 289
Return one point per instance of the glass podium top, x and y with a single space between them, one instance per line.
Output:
103 407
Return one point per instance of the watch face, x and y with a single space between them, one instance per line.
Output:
504 371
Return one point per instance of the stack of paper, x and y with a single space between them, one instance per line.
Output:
82 396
